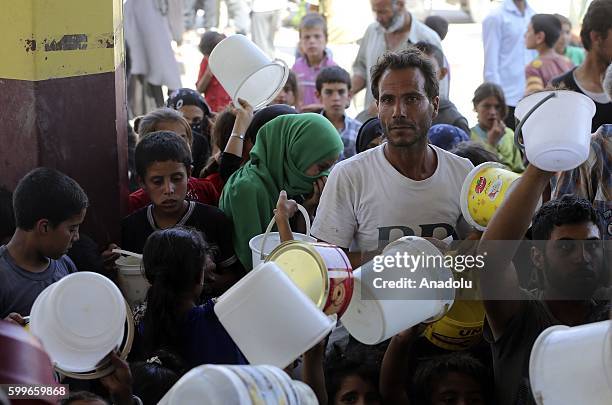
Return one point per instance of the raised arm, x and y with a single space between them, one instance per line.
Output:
498 280
396 367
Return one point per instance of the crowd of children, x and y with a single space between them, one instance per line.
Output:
208 176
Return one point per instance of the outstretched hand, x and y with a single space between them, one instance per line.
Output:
285 208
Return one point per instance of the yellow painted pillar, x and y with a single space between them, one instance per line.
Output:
62 100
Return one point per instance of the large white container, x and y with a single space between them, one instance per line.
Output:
263 244
79 320
557 135
571 366
246 72
373 316
132 282
244 385
269 318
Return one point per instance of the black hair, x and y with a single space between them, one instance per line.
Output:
313 20
487 90
7 216
221 132
340 364
429 372
81 396
567 210
160 146
475 152
292 84
208 41
153 378
407 58
265 115
438 24
173 262
431 50
46 193
598 18
549 25
333 74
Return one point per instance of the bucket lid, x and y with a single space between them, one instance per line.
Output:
305 267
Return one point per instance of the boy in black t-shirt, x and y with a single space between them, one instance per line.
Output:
49 207
163 165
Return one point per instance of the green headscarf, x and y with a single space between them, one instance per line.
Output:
285 148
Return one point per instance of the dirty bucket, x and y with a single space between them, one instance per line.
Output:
320 270
262 245
246 72
460 328
572 365
374 316
269 318
220 384
132 282
556 129
483 191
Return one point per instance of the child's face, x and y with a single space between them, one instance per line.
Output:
564 39
489 111
355 390
166 185
59 239
286 96
192 114
175 127
531 38
334 97
313 42
457 389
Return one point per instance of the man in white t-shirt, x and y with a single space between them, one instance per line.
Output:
403 187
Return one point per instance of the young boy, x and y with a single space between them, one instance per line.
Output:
542 35
313 39
215 95
49 208
333 86
563 46
163 164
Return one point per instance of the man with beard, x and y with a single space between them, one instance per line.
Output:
404 186
395 29
568 256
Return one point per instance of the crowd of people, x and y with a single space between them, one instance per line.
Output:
206 176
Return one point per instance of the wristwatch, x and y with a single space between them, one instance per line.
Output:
235 135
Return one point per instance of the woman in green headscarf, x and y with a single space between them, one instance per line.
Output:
291 152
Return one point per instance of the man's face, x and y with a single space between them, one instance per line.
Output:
404 110
166 185
573 260
57 240
384 11
334 97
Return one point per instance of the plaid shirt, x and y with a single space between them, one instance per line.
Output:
593 179
348 136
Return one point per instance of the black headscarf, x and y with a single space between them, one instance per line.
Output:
264 116
370 130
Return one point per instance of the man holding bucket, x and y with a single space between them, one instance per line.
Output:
405 186
568 256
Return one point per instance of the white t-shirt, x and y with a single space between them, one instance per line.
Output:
367 203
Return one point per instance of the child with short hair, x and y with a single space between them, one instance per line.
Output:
542 35
564 45
313 40
290 92
49 208
215 95
163 164
333 86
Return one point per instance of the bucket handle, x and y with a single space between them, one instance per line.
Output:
518 132
273 221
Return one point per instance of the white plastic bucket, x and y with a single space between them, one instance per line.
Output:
246 72
219 384
79 320
132 282
269 318
557 135
262 245
373 317
571 366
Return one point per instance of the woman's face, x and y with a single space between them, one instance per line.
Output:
192 114
316 169
489 111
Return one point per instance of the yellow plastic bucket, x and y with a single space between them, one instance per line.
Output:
483 191
460 328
